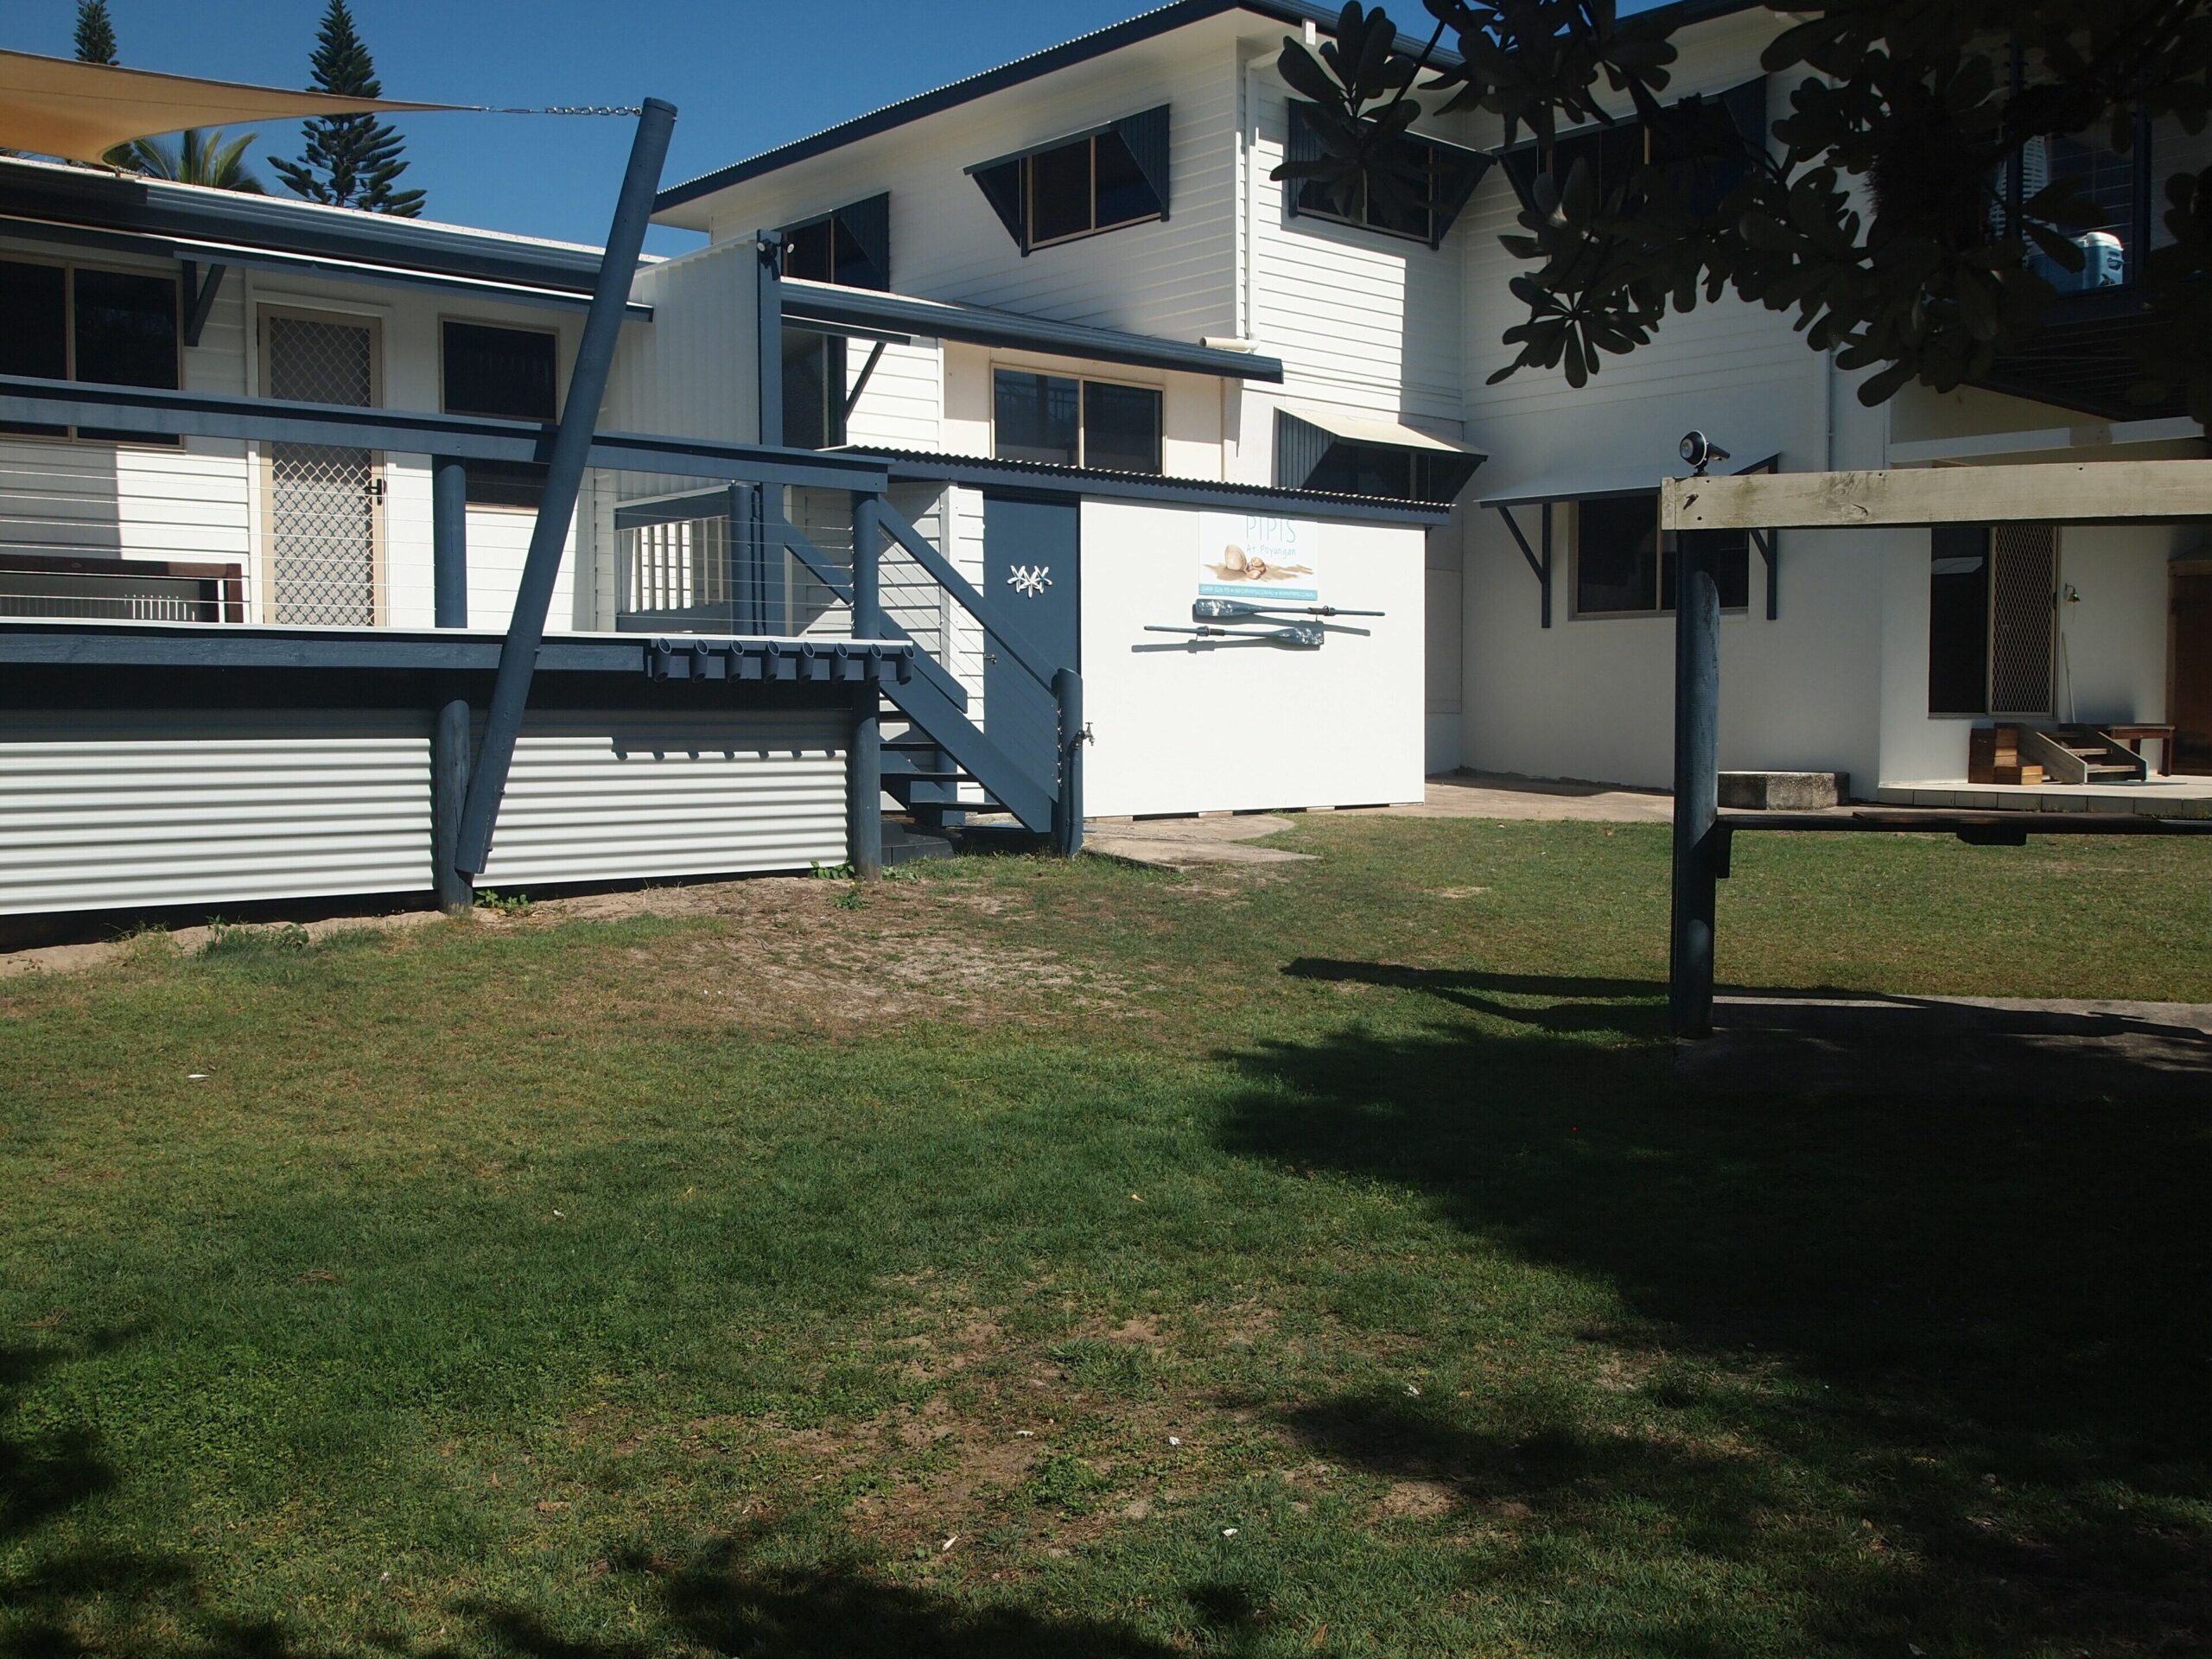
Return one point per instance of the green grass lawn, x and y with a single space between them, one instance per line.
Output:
1025 1258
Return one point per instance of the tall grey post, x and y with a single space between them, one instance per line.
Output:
1067 807
449 734
1697 785
564 474
864 761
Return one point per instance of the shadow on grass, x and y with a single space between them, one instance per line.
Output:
719 1601
1969 1329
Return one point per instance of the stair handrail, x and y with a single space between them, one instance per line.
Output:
817 563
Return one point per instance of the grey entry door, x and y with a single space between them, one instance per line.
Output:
323 498
1032 565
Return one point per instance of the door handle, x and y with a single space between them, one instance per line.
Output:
990 656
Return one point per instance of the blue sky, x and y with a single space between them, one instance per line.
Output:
744 75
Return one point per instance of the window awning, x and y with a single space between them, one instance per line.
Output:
55 107
871 314
1376 429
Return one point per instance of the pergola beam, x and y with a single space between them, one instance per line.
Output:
2083 493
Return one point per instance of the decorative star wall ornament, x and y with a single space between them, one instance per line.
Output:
1029 580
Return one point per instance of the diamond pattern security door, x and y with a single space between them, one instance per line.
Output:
323 500
2023 586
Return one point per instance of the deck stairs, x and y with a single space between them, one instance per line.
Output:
2081 754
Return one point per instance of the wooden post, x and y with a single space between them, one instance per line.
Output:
1697 786
1067 806
449 541
864 759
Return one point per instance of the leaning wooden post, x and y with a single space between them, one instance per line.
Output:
1067 807
564 476
1697 785
864 759
449 722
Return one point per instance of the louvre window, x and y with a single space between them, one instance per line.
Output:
1415 190
510 374
1071 423
1074 187
1623 566
850 247
108 327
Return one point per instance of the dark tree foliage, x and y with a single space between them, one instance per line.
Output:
350 161
1879 208
95 33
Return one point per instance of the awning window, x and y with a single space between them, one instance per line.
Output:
850 247
1366 455
1434 180
1081 182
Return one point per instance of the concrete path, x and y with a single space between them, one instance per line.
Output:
1503 798
1181 844
1954 1048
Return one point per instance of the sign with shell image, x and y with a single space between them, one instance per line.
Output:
1249 555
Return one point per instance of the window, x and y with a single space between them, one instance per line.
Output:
814 390
508 373
850 247
1417 192
1079 185
1958 620
1701 147
107 328
1071 423
1625 566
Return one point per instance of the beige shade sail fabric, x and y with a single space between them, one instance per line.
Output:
55 107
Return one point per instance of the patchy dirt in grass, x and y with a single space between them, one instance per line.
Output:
1418 1500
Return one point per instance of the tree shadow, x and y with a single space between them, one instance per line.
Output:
722 1598
1974 1326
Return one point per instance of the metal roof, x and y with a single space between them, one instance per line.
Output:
873 311
43 193
929 466
1145 27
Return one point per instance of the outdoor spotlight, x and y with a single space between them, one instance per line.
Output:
1700 452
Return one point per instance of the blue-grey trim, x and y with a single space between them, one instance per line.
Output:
216 645
95 199
1041 478
216 255
1292 13
468 437
567 454
821 305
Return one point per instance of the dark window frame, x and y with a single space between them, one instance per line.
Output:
1082 383
58 432
1662 558
1090 142
501 486
839 221
1309 198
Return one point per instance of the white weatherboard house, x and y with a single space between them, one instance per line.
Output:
1088 381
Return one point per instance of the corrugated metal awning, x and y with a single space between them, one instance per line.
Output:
1597 484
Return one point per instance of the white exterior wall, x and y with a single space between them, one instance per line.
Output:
692 372
1199 729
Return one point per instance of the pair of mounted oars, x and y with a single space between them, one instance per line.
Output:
1274 625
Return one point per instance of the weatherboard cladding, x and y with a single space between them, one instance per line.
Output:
1292 14
1172 280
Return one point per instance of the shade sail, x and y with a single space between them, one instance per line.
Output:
55 107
